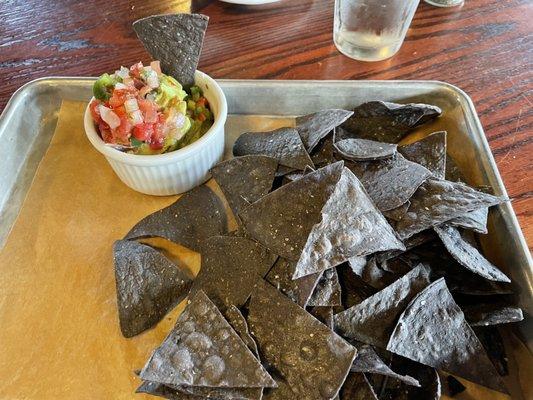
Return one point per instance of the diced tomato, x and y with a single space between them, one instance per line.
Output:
93 107
123 132
156 146
158 136
202 101
135 70
120 96
120 111
143 131
105 132
149 110
201 117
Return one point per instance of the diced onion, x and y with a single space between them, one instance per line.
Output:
120 86
109 117
136 117
131 105
152 79
123 72
180 120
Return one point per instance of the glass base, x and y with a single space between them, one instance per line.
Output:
363 47
445 3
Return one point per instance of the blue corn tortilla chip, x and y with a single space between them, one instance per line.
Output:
474 220
429 152
283 171
372 273
283 219
203 350
353 289
323 314
314 127
327 292
323 154
467 255
410 243
283 144
357 264
390 183
368 361
373 320
350 226
459 279
380 274
158 389
364 149
438 201
396 265
433 331
430 384
148 286
485 314
230 267
221 393
387 122
194 217
397 213
244 180
292 176
298 290
238 322
176 41
310 361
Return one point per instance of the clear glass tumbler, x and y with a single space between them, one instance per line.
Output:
371 30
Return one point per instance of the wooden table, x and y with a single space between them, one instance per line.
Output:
484 48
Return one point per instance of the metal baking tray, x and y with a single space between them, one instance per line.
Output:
29 119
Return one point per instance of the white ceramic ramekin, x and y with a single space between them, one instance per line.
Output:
178 171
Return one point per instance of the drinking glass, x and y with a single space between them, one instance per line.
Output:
371 30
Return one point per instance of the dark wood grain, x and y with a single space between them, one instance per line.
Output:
484 47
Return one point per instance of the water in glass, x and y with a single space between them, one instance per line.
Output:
371 30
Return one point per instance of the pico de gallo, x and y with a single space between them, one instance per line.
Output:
140 110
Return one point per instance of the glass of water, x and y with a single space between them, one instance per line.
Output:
371 30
